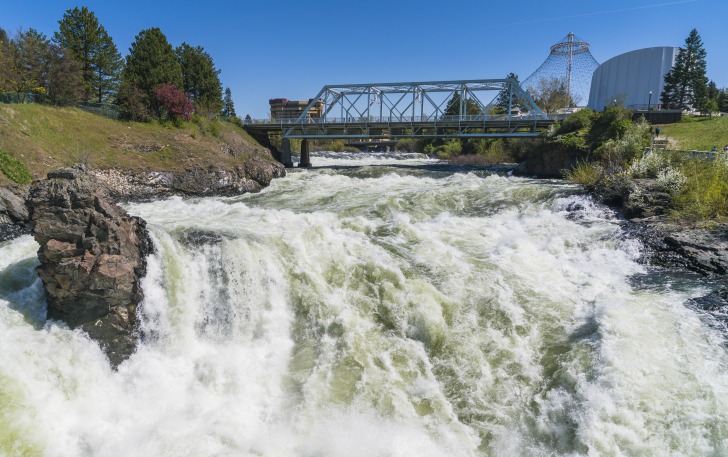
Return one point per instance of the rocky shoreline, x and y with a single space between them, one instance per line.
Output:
125 185
92 253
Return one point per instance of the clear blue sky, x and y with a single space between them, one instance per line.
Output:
292 48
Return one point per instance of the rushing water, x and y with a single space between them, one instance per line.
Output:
387 309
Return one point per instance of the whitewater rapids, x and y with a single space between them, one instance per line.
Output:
379 306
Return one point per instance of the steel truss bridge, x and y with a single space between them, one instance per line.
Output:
436 109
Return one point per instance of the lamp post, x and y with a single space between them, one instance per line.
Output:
649 101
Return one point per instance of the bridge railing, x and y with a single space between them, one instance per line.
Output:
389 119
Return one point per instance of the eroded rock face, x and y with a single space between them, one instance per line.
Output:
92 256
13 213
252 176
702 250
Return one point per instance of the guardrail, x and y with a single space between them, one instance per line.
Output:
391 119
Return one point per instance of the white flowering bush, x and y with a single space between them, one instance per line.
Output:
721 159
670 180
647 166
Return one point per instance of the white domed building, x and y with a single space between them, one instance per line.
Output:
629 78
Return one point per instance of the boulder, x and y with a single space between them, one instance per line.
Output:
92 256
703 250
13 212
714 301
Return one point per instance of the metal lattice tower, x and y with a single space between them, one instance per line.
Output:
571 62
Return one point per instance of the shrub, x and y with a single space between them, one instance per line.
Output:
631 140
584 173
580 120
670 180
647 166
573 141
704 194
134 101
235 120
173 103
406 145
14 169
609 125
215 127
449 149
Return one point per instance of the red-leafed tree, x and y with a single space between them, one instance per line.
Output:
173 103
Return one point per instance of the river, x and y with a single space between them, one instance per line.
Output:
377 306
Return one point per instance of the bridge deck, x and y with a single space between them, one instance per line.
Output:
467 128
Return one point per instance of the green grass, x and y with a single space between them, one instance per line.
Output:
584 173
705 193
15 170
697 133
44 138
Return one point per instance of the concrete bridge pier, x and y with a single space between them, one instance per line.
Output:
305 154
285 153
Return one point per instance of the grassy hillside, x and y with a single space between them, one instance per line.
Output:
45 138
699 133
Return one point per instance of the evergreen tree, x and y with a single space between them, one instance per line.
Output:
686 83
723 100
6 62
80 32
65 83
504 100
228 108
472 108
151 63
200 78
713 92
32 54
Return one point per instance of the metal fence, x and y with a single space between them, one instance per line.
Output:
103 109
23 97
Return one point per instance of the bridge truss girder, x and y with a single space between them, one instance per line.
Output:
417 109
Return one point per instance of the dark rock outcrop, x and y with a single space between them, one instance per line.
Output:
543 162
92 256
252 176
715 304
14 216
702 250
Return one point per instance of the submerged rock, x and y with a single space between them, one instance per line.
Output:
92 256
714 301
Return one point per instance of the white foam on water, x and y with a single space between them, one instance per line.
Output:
397 313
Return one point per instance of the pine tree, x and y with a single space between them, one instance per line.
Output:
228 108
200 78
32 54
472 108
151 63
686 83
504 100
80 32
65 83
6 62
723 100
